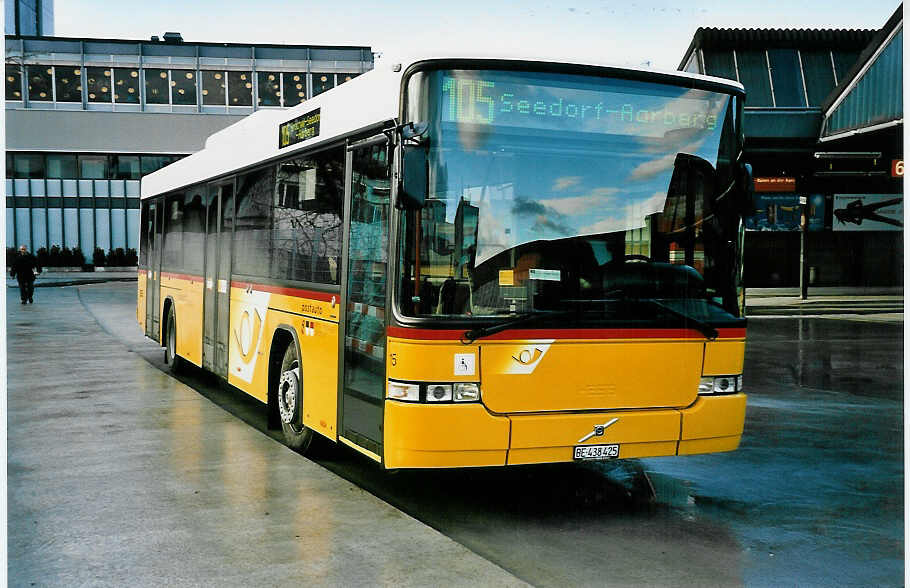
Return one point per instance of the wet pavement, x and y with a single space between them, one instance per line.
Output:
119 475
813 496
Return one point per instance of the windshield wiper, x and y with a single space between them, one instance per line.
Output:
527 317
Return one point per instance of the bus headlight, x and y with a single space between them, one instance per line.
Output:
439 392
467 393
721 384
403 391
433 392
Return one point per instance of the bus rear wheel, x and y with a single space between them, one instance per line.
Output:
290 402
174 361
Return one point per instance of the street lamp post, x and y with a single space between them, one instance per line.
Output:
803 253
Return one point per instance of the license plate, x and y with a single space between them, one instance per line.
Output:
597 451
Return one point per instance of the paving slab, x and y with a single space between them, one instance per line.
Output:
120 475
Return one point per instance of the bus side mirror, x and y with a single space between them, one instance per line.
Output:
747 191
412 191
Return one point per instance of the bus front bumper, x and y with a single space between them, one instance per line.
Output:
456 435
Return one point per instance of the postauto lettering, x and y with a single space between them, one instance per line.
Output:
515 104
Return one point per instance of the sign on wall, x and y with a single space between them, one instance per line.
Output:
774 184
868 212
781 212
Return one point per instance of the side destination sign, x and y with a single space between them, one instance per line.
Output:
305 126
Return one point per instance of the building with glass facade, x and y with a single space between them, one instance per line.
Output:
29 17
86 118
824 133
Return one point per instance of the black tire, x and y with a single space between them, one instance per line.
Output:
289 397
174 361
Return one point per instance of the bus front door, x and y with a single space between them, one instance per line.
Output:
153 230
217 291
366 255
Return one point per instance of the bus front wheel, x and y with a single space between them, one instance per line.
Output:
290 402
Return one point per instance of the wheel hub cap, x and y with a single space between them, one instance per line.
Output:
288 390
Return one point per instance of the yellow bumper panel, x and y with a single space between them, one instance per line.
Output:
450 435
713 424
553 437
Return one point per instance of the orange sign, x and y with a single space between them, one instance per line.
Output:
897 168
775 184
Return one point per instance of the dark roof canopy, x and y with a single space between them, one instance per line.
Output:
715 38
875 42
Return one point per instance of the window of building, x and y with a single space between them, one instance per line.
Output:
98 84
322 82
720 64
692 65
28 165
68 82
183 86
213 88
346 77
125 167
786 77
819 75
126 85
294 88
156 86
39 83
240 88
306 220
252 222
753 74
151 163
843 61
60 166
13 82
269 88
93 167
28 18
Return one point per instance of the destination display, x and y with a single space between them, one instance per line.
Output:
305 126
491 99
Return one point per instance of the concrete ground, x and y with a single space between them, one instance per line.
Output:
883 305
813 496
120 475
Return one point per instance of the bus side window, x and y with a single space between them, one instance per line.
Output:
306 218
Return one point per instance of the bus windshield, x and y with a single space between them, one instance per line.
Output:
597 198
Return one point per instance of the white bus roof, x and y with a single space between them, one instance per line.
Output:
367 100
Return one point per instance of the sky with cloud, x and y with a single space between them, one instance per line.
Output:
651 33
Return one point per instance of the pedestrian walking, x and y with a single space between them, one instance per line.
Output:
24 269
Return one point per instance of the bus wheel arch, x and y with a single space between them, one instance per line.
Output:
286 390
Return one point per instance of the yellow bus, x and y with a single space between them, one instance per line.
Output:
452 262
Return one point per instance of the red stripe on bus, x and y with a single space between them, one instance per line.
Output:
448 335
181 276
285 291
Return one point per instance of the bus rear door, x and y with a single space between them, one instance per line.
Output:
153 274
217 287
